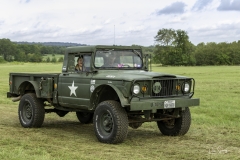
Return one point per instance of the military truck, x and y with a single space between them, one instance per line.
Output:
115 89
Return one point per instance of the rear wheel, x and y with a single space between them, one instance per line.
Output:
110 122
85 117
177 126
31 111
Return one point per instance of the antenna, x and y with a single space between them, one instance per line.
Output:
114 36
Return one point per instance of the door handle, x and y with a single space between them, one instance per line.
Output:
66 74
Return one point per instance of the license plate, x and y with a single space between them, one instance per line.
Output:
169 104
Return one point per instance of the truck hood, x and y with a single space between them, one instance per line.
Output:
132 75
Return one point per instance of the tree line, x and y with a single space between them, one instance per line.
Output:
24 52
172 47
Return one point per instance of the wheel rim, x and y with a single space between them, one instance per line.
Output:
169 123
27 112
106 123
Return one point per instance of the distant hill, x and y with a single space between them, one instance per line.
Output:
64 44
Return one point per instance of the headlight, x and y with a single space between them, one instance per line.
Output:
136 89
186 87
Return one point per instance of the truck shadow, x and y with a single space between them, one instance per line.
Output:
78 130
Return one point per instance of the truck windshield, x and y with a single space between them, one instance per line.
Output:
121 59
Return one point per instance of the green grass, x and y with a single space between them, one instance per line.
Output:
214 132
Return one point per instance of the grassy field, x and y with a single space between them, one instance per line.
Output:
214 133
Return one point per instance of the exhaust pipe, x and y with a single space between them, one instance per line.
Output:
15 99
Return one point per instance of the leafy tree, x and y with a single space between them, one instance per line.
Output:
20 56
173 48
60 59
165 37
34 57
223 55
49 50
25 48
234 53
7 49
54 60
57 50
217 54
34 49
48 59
44 50
2 60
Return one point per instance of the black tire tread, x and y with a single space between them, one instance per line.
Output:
186 121
121 117
181 126
122 122
38 114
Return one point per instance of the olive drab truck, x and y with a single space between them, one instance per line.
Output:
114 91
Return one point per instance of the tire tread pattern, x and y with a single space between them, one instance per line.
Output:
180 127
121 118
38 113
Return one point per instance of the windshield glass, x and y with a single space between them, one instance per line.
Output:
121 59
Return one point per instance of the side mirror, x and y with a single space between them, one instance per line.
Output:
147 62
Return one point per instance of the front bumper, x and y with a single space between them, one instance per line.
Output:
167 103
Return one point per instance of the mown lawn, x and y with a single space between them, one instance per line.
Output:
214 133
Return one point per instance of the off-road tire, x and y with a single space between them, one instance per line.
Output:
85 117
110 122
179 126
31 111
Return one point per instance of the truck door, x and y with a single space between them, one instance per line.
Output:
74 86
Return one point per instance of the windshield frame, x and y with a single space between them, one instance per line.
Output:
125 59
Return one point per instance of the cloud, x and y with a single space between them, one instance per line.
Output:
94 24
226 25
107 21
1 22
135 29
89 31
228 5
174 8
201 4
221 32
25 1
178 19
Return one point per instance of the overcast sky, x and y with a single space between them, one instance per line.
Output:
122 22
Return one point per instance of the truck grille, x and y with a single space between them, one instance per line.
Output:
166 88
171 87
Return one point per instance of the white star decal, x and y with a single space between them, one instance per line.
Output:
73 89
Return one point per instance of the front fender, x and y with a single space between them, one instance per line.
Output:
124 101
94 100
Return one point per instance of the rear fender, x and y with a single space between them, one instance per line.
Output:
29 86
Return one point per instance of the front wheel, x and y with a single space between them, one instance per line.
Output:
177 126
110 122
31 111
